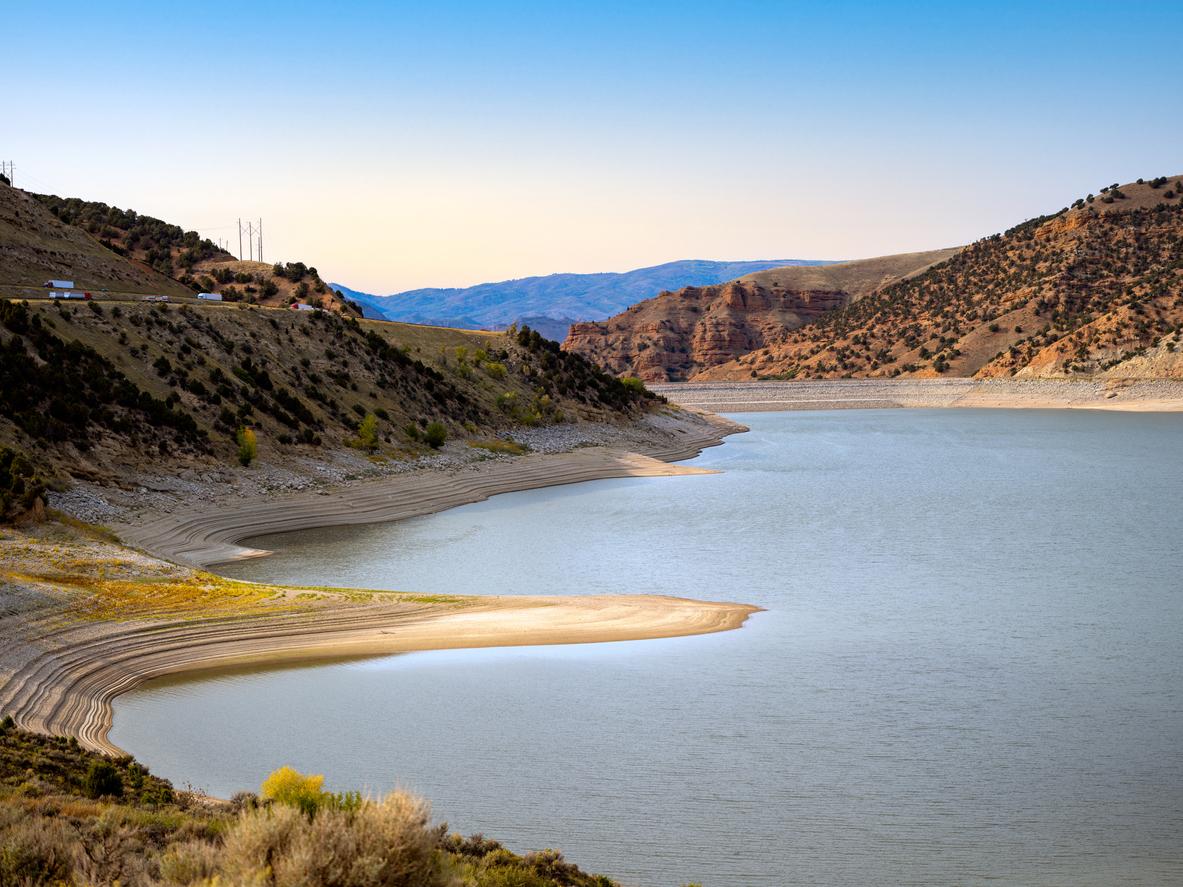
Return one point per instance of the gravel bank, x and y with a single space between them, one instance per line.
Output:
845 394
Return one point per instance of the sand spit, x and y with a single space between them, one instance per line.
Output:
845 394
72 674
210 535
61 665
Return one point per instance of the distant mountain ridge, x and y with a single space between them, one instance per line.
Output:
551 303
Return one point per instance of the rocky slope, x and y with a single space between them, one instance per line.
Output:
1092 290
678 335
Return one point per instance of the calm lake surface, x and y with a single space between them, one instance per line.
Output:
970 671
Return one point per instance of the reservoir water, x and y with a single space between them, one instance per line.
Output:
970 669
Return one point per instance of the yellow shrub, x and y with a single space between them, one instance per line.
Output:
291 787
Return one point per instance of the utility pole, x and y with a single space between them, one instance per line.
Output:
260 238
240 238
250 239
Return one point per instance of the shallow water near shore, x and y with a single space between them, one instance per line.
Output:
970 668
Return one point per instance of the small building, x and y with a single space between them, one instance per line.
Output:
59 284
210 297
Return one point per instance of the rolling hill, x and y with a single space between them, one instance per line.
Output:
35 245
100 389
552 303
153 256
677 335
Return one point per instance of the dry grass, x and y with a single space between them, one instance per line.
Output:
103 581
501 446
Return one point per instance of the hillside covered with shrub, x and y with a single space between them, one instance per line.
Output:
91 389
194 262
72 817
36 245
1095 289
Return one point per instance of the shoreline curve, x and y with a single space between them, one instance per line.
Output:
210 536
62 675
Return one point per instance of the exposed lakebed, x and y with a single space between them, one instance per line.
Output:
970 667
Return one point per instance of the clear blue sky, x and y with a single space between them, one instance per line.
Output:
401 145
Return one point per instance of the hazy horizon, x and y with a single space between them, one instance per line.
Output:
396 147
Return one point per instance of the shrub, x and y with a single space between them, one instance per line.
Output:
435 434
632 383
248 446
36 852
191 862
102 779
291 787
367 433
495 369
20 485
389 843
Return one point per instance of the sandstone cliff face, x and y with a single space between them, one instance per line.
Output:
677 334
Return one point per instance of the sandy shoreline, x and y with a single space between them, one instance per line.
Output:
67 687
206 536
61 673
1149 395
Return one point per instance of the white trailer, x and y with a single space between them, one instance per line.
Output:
60 284
302 306
210 297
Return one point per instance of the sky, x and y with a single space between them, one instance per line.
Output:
403 145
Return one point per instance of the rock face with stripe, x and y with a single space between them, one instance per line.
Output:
678 335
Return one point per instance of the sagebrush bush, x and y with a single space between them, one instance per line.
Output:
387 843
36 851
